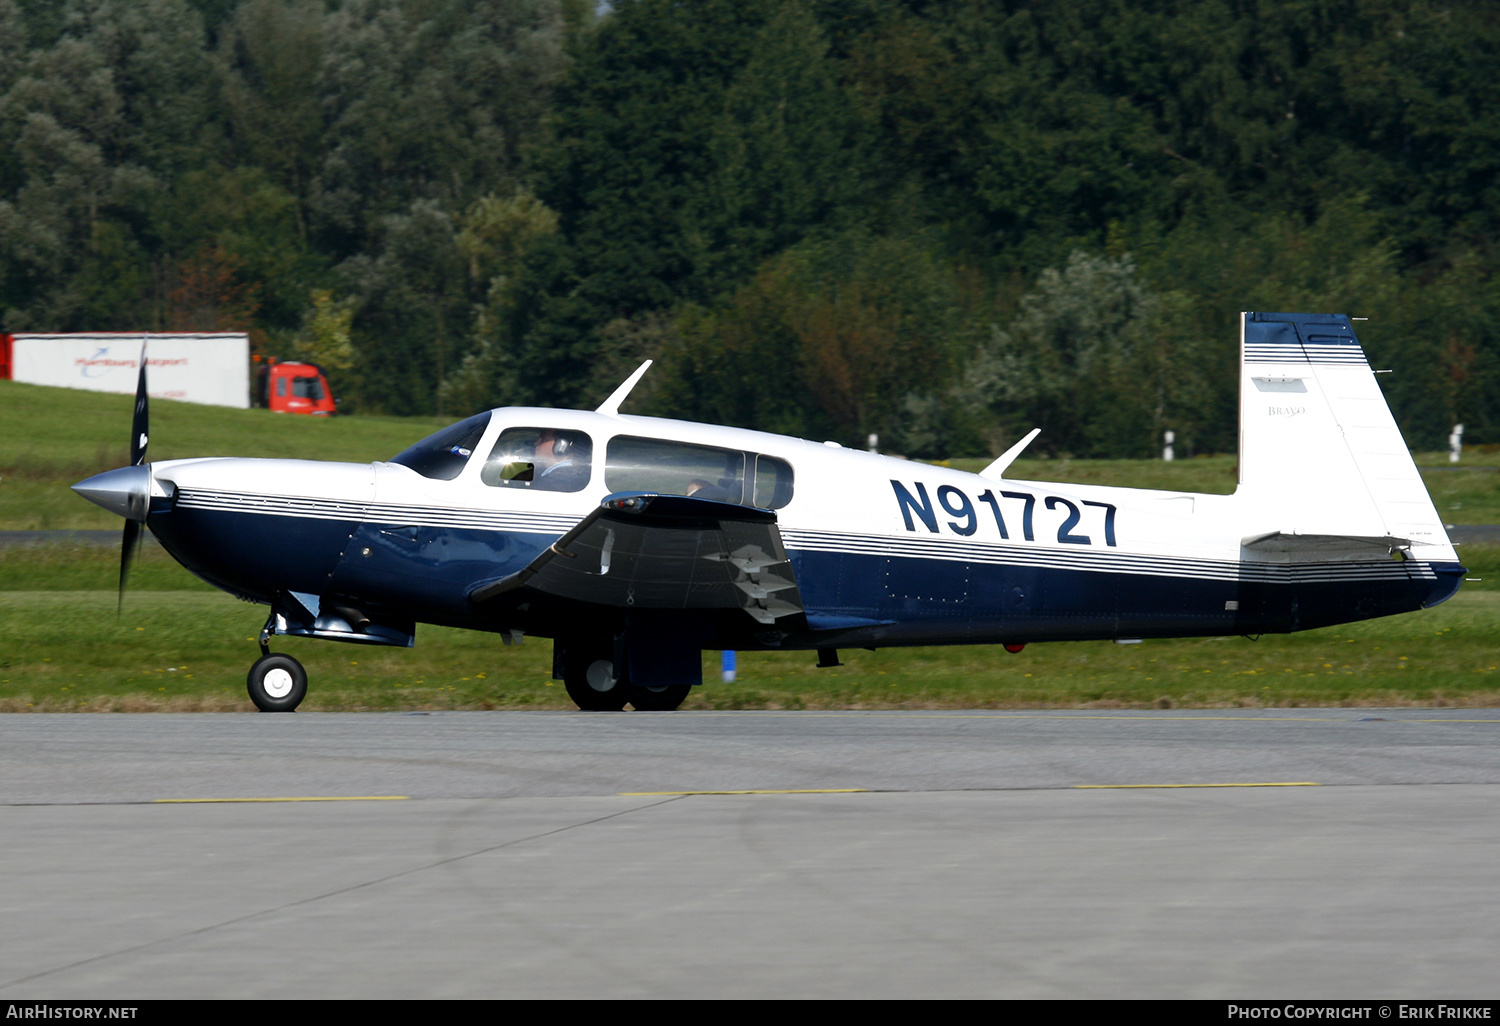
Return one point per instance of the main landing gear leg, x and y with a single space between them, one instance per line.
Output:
277 682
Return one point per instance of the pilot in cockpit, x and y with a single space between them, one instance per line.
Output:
557 466
544 459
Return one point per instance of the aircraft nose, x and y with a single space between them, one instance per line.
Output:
126 491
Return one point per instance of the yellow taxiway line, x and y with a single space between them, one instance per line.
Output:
1270 783
317 798
810 790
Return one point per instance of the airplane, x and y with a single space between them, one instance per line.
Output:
635 543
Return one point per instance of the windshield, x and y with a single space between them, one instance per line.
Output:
442 456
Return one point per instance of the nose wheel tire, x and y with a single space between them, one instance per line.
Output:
277 683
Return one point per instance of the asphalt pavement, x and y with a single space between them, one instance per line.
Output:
1217 854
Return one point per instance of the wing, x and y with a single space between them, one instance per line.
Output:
648 551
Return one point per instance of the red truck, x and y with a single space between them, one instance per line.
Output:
288 387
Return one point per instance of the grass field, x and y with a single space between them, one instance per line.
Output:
180 645
53 437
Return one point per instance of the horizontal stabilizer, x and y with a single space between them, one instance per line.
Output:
647 551
1322 544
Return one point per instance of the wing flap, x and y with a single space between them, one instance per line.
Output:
646 551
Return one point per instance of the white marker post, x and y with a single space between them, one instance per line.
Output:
1166 450
1455 443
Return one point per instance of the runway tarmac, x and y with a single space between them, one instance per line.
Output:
930 854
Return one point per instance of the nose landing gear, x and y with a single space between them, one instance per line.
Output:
276 682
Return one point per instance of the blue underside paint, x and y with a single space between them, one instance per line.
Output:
424 574
943 602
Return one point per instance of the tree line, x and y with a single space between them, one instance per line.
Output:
938 221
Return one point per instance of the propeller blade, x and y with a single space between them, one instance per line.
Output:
140 436
130 543
140 422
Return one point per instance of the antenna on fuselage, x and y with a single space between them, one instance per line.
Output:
997 469
611 406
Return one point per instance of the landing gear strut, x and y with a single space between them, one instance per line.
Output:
277 683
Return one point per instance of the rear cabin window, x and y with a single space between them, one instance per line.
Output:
678 468
674 468
541 459
773 482
444 455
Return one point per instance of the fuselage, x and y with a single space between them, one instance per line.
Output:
886 551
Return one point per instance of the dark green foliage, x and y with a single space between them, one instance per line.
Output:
836 338
943 221
414 292
631 163
311 146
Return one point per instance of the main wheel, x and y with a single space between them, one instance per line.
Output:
659 699
277 683
589 676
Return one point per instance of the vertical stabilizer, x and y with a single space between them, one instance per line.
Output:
1320 452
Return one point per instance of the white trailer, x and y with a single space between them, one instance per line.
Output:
192 367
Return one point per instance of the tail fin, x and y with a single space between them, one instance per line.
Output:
1320 453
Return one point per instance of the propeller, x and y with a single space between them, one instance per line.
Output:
140 424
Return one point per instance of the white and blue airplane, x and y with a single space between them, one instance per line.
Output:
635 542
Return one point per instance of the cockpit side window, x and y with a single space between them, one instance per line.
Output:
674 468
540 458
443 456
